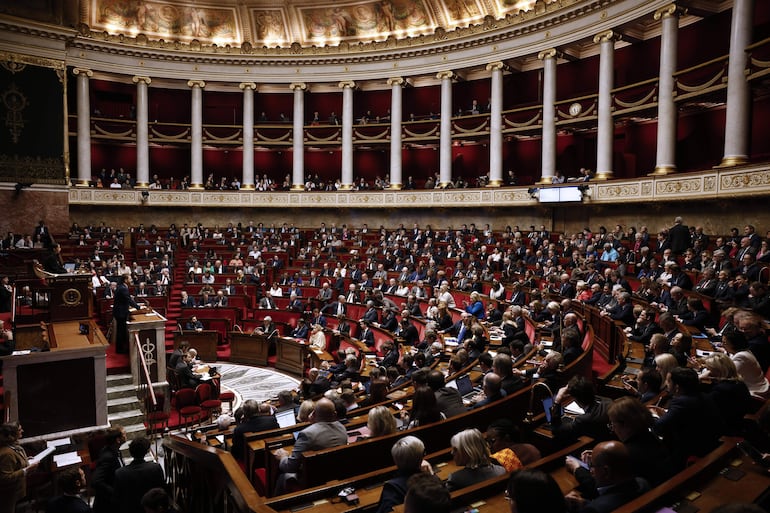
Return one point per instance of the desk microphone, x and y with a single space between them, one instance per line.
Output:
239 328
180 328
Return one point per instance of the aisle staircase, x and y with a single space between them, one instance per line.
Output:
123 407
175 295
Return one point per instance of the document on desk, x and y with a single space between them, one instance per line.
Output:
58 442
573 409
39 457
68 458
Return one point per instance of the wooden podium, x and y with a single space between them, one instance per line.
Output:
249 349
150 326
68 296
205 342
62 391
295 356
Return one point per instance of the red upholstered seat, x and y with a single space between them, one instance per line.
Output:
205 397
187 406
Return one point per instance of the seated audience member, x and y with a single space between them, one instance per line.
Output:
187 378
647 384
256 417
448 399
301 330
157 500
175 356
470 451
631 422
380 422
593 422
426 494
692 424
194 324
407 454
324 432
644 328
737 348
424 408
727 390
504 440
681 347
615 480
571 346
137 478
750 324
318 338
534 491
72 482
503 367
491 390
696 316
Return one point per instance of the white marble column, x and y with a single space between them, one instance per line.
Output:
496 125
247 179
347 133
665 158
549 116
396 114
445 136
605 137
298 137
196 142
84 126
738 93
142 132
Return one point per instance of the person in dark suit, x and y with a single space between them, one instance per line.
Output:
187 301
301 330
343 326
324 432
593 422
448 400
389 321
257 417
336 308
366 335
194 324
492 390
679 235
644 328
267 303
54 263
6 294
623 311
45 236
71 482
692 424
103 477
136 478
178 353
696 315
187 378
371 315
614 476
121 304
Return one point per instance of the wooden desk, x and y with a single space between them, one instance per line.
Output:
292 355
205 342
63 391
251 349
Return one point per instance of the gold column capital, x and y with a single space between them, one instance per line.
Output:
496 66
196 83
607 35
669 11
446 75
347 83
395 81
145 80
551 53
83 71
247 85
298 85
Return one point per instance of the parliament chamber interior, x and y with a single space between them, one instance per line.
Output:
385 255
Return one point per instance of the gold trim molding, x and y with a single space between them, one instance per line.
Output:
32 60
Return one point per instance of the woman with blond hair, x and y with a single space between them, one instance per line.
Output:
318 338
471 451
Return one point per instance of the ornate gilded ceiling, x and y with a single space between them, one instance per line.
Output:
274 23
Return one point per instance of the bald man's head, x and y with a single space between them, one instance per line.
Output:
324 411
611 463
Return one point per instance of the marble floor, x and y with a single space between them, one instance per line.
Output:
258 383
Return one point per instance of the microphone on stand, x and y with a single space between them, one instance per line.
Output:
239 328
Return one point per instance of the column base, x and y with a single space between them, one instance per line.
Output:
663 171
396 186
82 183
196 187
735 160
298 187
248 187
141 185
545 180
603 176
495 183
444 185
346 187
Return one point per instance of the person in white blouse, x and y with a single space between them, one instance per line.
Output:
318 338
735 345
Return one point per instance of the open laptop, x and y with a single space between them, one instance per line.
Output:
465 387
286 418
547 405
